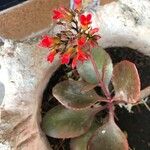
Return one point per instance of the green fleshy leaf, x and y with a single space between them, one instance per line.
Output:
108 137
88 87
126 82
81 142
61 122
69 93
104 65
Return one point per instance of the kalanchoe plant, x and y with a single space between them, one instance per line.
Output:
75 116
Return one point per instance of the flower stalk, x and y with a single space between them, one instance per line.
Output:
101 83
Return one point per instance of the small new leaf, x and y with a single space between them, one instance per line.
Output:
126 82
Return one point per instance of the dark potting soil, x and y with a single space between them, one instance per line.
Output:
136 124
4 4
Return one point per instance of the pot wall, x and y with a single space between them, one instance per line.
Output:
29 17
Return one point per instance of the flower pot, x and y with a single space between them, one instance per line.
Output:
24 72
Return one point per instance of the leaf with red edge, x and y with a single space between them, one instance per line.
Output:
126 82
70 94
88 87
61 122
108 137
81 142
103 64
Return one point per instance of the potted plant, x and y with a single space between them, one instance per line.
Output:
95 85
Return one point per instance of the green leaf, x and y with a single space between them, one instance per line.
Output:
126 82
104 66
81 142
69 93
108 137
61 122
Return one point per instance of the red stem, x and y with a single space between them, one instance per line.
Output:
105 90
111 111
101 83
100 108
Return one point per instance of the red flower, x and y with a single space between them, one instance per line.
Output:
85 20
77 4
93 31
81 55
46 41
65 58
81 41
51 56
58 14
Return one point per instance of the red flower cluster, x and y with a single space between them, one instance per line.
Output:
76 54
71 45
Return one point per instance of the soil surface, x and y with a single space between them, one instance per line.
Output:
136 124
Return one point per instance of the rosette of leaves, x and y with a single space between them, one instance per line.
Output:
79 103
